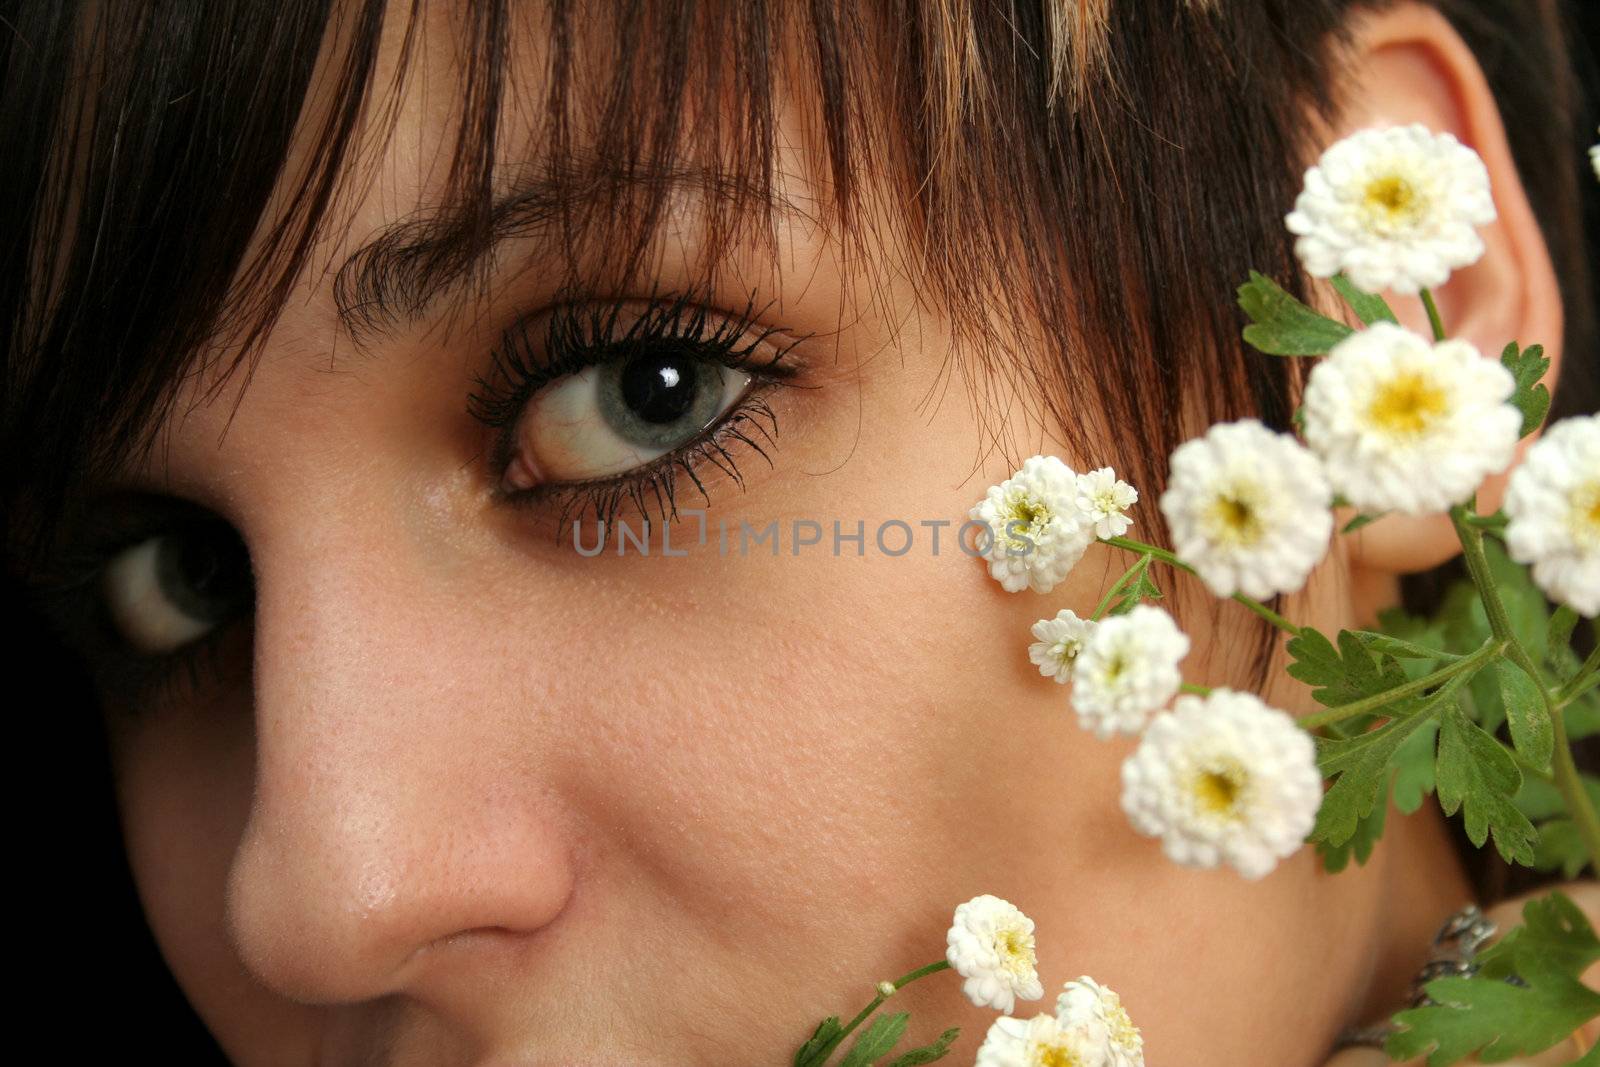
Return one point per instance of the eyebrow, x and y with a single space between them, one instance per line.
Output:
393 280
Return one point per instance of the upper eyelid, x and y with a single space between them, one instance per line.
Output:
518 358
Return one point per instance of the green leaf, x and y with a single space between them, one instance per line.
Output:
1526 713
1477 776
1530 398
1346 674
1359 521
1558 642
1395 646
827 1031
1540 799
1496 1019
1418 632
1282 325
1500 1019
877 1040
1414 762
1361 765
1369 307
1336 858
1555 938
1142 588
1560 848
928 1053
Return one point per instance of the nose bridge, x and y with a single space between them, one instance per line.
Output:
391 810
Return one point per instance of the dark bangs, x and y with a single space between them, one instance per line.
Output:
1094 176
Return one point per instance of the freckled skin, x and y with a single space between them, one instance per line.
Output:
486 798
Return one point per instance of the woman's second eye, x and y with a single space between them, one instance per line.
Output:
171 590
615 416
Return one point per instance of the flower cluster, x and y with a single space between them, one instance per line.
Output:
1394 208
1043 518
991 946
1127 670
1090 1028
1249 508
1226 778
1405 425
1553 503
1390 422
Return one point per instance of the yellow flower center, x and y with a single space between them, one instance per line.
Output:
1586 515
1392 201
1236 516
1217 788
1026 519
1407 405
1054 1055
1015 948
1066 650
1120 1027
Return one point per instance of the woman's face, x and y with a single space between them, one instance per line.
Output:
462 794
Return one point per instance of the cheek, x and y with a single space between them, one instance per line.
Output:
816 735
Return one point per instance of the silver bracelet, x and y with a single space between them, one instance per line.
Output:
1454 955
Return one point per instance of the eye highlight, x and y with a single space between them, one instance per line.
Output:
597 406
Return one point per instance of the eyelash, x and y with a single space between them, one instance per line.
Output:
581 335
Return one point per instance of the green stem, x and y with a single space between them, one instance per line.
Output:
1120 584
1566 771
1197 690
1172 560
1466 664
1579 687
899 983
1433 315
1587 676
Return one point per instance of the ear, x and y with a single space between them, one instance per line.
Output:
1407 64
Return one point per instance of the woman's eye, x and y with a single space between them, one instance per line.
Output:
173 589
612 417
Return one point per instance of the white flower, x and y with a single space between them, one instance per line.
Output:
1041 1042
990 944
1224 779
1406 425
1248 509
1394 208
1104 499
1554 506
1594 157
1127 669
1085 999
1059 641
1038 534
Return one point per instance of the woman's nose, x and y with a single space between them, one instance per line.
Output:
394 808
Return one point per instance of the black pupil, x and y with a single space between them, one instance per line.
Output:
205 569
659 387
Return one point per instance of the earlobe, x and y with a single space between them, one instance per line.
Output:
1405 65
